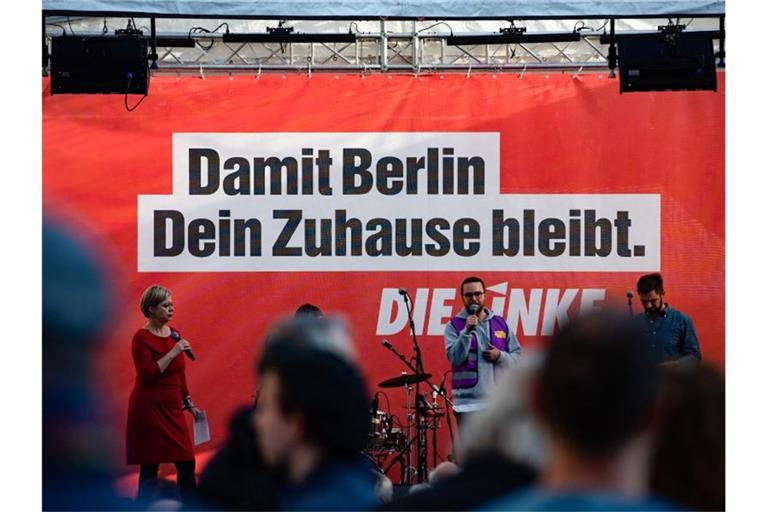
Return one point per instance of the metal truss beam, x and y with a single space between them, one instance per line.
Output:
383 50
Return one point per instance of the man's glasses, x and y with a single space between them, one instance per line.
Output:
469 295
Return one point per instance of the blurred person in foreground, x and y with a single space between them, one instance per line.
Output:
596 397
237 477
157 431
78 440
689 460
312 417
501 451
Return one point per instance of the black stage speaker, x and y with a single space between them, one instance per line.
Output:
99 65
659 63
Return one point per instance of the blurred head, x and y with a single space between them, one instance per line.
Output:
650 288
77 436
323 333
311 395
442 471
689 461
473 292
165 496
279 426
309 310
384 488
156 303
598 385
507 426
416 488
235 478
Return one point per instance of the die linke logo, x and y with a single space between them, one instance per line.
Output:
528 312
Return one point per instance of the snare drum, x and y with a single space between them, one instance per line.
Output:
379 429
395 439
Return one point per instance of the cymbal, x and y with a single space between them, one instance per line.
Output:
411 378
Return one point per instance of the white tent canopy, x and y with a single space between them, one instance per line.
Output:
392 9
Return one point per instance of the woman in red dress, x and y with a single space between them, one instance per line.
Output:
157 431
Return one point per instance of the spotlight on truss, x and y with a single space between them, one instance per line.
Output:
174 42
512 35
287 35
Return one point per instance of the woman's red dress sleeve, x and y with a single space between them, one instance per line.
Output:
147 369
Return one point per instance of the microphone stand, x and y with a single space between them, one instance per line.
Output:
440 391
436 421
629 303
421 442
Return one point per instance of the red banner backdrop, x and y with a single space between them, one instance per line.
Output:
556 135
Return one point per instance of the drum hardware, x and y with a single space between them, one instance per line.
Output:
421 416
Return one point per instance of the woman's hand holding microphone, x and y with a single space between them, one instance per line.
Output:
180 347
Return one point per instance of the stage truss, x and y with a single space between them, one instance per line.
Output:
380 46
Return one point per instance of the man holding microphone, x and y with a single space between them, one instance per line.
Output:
478 344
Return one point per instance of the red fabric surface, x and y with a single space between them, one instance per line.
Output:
558 135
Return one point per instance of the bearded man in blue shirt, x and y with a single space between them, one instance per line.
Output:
671 332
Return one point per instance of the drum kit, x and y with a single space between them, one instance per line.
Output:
389 436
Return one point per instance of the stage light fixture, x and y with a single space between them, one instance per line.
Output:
512 37
287 35
174 42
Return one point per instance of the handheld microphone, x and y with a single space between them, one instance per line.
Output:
473 309
386 344
402 291
176 337
630 294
